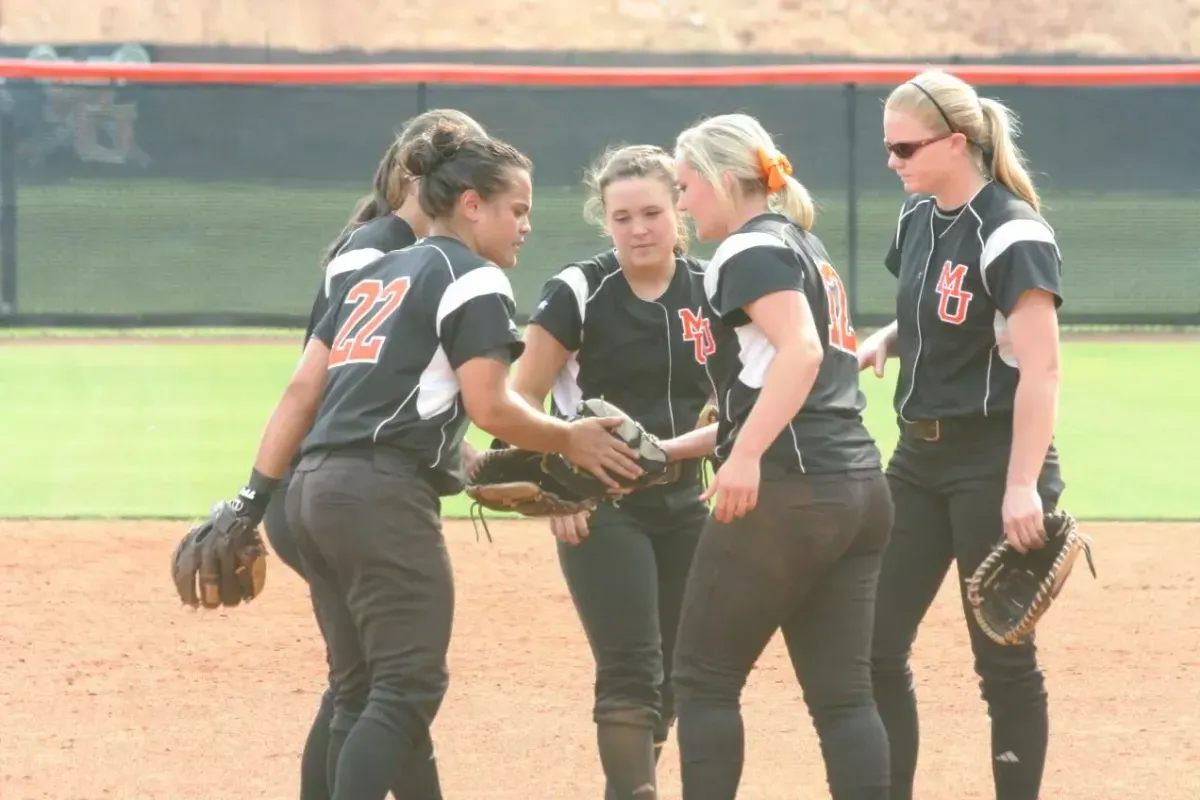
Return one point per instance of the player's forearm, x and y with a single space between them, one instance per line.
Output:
531 399
693 444
786 385
1035 411
535 371
285 430
511 418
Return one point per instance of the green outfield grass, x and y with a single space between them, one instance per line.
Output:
162 246
152 429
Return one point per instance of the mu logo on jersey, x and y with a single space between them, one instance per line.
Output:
698 331
954 300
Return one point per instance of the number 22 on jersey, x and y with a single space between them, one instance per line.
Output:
841 331
357 341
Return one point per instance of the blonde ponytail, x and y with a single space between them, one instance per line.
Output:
795 203
738 144
1007 161
946 102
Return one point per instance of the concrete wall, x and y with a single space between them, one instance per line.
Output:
861 28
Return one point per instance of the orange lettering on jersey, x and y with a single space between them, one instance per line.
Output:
950 287
698 331
841 331
359 344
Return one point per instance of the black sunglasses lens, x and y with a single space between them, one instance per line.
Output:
902 149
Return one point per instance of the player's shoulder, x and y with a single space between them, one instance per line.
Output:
689 262
1004 218
915 205
916 200
996 204
388 232
693 270
586 277
452 275
446 256
433 262
763 236
765 244
769 241
368 241
364 245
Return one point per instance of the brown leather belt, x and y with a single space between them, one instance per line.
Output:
936 430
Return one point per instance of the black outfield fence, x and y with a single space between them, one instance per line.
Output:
140 191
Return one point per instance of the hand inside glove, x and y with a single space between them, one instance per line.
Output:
222 561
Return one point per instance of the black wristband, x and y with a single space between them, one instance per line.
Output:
260 484
257 493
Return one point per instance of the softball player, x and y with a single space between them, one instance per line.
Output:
976 333
802 512
414 346
388 219
631 325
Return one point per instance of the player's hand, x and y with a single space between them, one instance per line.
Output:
571 529
590 446
873 352
736 488
1022 513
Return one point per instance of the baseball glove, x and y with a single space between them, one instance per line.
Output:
512 479
656 469
1010 591
222 561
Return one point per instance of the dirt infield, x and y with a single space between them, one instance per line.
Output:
111 689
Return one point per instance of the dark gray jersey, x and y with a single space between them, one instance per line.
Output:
397 332
357 248
766 255
960 275
648 357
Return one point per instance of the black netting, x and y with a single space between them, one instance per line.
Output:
1113 167
223 197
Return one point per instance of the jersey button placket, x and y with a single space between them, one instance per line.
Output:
912 385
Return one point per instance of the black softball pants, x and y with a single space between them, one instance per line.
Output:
279 533
948 496
423 782
368 531
804 561
626 580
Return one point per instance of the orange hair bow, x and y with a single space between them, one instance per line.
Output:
774 169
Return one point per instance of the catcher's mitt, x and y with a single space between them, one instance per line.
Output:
656 469
221 561
1010 591
513 479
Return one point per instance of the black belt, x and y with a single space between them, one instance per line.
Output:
950 428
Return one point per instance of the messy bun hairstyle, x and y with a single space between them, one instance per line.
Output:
391 183
450 160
